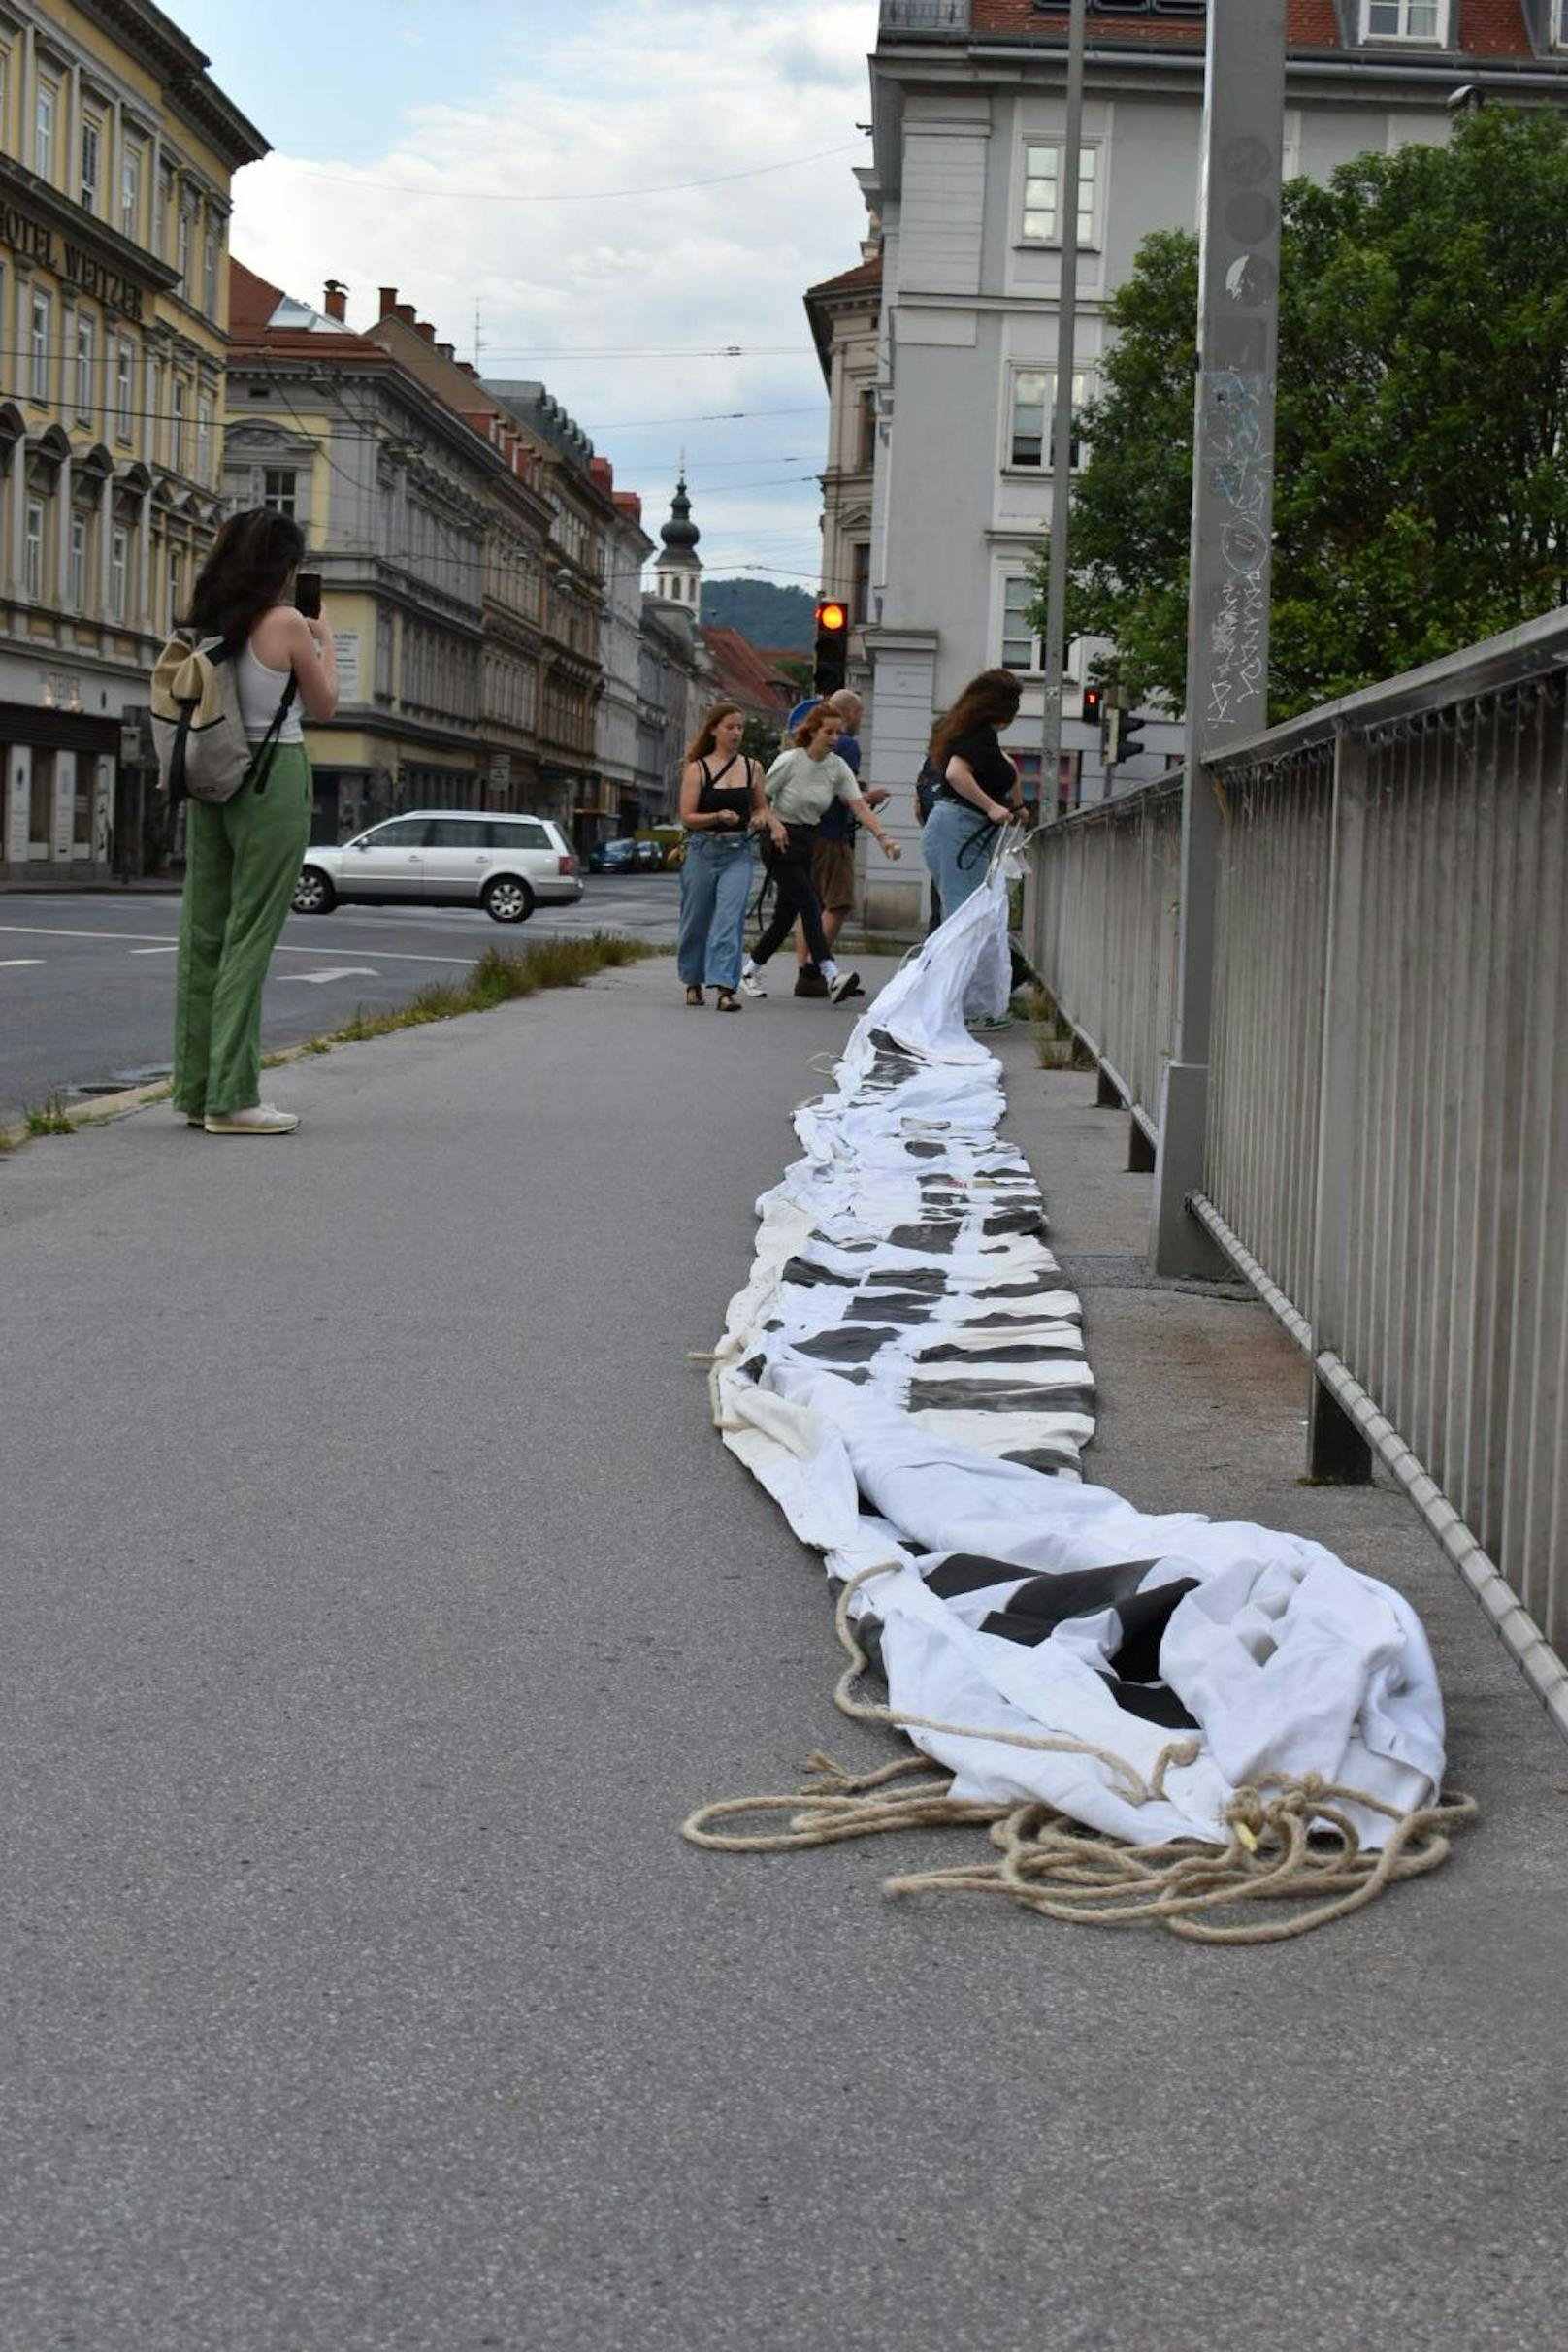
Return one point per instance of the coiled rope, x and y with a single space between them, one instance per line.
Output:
1290 1841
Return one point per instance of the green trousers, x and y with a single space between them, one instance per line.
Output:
242 863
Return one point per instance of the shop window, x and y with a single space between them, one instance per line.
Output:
81 806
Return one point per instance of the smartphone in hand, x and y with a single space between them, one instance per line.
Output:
307 594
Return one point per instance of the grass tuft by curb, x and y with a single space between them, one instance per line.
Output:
50 1118
501 978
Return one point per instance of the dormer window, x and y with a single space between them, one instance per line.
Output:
1424 20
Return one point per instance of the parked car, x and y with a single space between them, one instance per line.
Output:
626 856
445 858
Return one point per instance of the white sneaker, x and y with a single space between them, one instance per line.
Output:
751 982
263 1118
844 983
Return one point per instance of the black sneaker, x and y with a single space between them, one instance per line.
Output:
809 982
847 984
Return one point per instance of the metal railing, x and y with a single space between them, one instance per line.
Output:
929 16
1110 877
1387 1140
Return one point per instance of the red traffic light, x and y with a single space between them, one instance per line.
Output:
1093 705
833 616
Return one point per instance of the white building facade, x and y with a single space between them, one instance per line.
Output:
968 104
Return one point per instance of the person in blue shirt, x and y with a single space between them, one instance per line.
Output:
833 852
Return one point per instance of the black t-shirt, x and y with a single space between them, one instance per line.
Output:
993 769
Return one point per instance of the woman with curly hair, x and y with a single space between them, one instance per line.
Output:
978 791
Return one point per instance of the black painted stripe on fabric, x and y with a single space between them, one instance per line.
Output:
934 1240
801 1270
994 1353
970 1572
1070 1314
1049 1460
931 1280
847 1346
905 1312
1034 1287
1154 1702
1016 1221
997 1396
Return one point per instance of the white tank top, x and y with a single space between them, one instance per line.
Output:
260 688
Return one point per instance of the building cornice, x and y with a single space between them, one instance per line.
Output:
188 89
119 254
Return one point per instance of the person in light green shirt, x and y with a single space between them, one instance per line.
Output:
800 785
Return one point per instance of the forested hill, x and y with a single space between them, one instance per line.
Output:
783 618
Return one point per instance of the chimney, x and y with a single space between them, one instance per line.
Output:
466 367
601 472
403 310
388 300
447 351
338 300
422 326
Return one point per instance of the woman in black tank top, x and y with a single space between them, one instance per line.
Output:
723 807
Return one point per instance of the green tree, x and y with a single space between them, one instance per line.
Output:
1420 472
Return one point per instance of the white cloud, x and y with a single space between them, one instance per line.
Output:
614 99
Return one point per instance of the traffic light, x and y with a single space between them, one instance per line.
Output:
1093 705
1121 736
830 662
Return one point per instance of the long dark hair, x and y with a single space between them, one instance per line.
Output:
244 576
991 699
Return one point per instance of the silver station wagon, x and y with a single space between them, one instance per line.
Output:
436 857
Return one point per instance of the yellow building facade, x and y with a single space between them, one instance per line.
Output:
116 158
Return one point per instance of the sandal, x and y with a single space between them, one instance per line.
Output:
694 995
727 1001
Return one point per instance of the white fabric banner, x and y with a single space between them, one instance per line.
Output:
905 1374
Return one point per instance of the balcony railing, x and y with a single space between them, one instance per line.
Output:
935 18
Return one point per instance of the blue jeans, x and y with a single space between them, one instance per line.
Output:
954 831
715 885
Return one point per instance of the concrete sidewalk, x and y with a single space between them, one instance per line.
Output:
379 1601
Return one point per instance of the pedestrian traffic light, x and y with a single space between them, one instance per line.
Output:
1093 705
1132 735
829 663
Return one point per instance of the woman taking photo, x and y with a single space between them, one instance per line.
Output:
800 783
722 805
979 791
242 856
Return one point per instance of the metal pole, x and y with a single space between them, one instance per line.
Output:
1060 467
1231 542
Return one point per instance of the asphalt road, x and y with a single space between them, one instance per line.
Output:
86 981
377 1601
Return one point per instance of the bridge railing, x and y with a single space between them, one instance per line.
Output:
1387 1140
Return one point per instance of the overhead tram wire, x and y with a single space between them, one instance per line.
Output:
674 187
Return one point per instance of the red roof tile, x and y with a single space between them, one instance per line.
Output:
745 674
1487 28
863 276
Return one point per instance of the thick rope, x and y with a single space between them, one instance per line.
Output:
1289 1840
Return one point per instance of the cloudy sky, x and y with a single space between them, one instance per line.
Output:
524 160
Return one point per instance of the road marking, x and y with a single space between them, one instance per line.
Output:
172 950
389 954
334 971
11 963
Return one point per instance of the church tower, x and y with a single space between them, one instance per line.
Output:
678 575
